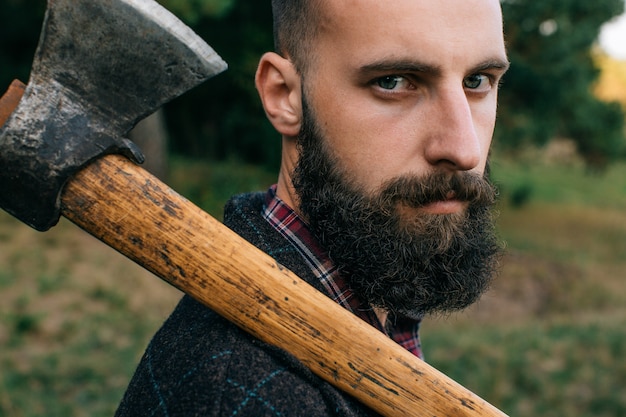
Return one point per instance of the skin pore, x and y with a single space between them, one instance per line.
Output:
402 96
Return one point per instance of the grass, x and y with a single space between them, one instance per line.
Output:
554 368
74 319
565 185
548 339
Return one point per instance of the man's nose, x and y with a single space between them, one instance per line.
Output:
454 143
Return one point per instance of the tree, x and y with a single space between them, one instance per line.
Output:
548 90
20 25
224 118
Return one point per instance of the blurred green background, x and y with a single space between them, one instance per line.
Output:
548 339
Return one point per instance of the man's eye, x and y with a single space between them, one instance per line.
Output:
477 82
390 82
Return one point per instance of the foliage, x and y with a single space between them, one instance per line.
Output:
224 117
548 90
20 24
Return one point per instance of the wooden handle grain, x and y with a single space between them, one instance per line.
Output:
136 214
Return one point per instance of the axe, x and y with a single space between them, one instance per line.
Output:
100 67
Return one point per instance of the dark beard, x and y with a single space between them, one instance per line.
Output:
425 263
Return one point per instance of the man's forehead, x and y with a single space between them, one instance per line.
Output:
352 7
347 14
429 30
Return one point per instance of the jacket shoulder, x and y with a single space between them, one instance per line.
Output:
200 364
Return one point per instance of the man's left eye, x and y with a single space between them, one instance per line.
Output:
477 81
391 82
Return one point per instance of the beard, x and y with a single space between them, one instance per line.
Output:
409 264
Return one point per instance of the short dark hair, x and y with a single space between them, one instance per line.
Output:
296 24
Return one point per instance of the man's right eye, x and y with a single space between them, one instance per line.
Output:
390 82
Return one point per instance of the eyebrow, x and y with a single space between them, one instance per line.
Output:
400 66
411 66
492 64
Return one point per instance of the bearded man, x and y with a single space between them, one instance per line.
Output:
386 112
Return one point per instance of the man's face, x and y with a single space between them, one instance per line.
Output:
408 87
402 104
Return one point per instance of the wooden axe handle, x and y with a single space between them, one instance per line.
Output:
142 218
136 214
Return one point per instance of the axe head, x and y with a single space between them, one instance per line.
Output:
100 67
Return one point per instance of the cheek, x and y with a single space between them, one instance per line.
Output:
373 148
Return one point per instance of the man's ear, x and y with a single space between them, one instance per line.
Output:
279 87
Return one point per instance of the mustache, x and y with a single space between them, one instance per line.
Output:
417 191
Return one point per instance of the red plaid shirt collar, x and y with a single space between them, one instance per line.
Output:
403 331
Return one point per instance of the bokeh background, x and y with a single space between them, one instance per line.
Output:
548 339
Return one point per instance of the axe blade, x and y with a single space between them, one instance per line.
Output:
100 67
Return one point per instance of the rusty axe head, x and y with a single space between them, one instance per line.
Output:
100 67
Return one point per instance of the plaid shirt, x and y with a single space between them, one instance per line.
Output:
402 330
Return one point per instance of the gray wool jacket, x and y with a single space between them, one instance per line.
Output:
199 364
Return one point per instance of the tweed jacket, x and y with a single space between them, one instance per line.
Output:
199 364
